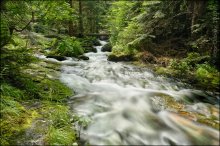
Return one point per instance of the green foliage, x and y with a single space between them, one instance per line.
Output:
118 18
10 91
54 90
15 118
82 121
166 71
208 75
192 55
182 67
46 89
89 41
10 107
60 131
61 136
4 33
12 60
69 46
57 113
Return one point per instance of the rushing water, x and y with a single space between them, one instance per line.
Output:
126 104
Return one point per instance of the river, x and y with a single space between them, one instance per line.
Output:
130 105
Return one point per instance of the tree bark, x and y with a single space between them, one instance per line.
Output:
197 8
2 5
71 28
80 19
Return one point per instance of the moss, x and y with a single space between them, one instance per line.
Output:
166 71
176 106
40 81
208 121
53 90
15 118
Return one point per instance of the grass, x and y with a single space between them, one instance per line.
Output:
60 131
50 92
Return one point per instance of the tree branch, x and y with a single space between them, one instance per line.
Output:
20 30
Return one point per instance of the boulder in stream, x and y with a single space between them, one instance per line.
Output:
96 43
107 48
83 57
103 38
115 58
59 58
89 49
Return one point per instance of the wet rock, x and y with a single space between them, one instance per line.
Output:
115 58
107 48
82 57
103 38
96 43
90 49
59 58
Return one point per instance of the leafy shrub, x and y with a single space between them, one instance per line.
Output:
182 67
4 33
192 55
14 56
69 46
194 58
208 75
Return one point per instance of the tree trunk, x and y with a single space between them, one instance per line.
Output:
80 19
2 5
197 8
71 28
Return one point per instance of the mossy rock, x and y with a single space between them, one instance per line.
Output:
96 42
104 38
107 48
90 49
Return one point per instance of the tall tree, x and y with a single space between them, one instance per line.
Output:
80 19
71 28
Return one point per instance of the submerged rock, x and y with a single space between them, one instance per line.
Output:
96 43
107 48
59 58
83 57
90 49
103 38
115 58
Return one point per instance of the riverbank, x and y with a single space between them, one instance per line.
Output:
37 111
193 69
33 99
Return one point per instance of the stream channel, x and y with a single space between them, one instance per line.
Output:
131 105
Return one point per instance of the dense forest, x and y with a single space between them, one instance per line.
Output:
89 72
